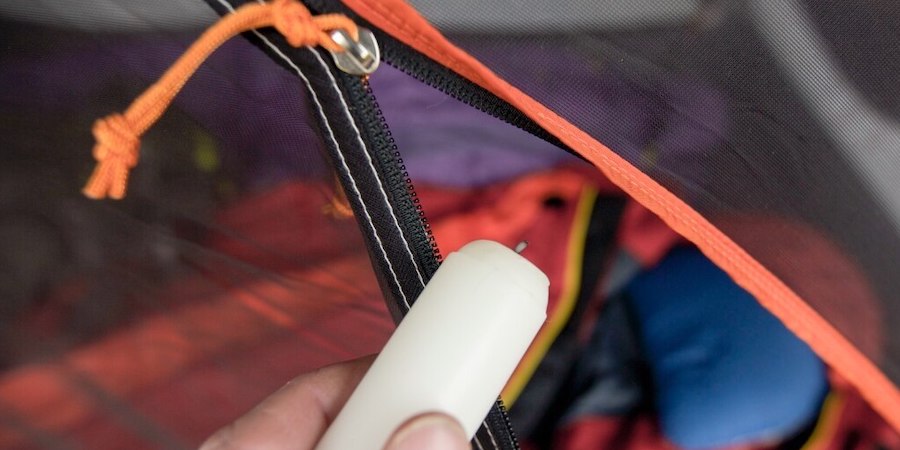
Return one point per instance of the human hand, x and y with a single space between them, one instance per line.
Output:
297 415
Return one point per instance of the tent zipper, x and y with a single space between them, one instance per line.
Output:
365 106
357 61
498 430
360 103
422 68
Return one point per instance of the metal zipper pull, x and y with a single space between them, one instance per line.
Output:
359 57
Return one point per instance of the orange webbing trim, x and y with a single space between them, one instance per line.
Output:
118 135
401 21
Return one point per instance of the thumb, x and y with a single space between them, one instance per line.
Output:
429 432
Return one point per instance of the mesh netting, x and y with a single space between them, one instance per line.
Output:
776 120
228 269
233 265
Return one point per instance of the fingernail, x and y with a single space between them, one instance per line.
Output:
431 432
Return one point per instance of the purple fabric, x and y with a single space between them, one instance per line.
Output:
255 110
658 126
446 142
260 117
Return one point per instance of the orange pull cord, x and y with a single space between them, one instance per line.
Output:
118 135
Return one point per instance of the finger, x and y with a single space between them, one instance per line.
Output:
429 431
295 416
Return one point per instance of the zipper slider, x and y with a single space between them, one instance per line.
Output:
358 57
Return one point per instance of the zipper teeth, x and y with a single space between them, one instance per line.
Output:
410 208
451 84
424 74
399 181
421 71
427 71
508 423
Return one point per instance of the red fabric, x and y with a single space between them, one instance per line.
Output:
504 211
176 375
645 236
510 213
855 426
274 240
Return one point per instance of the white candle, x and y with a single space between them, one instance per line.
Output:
453 352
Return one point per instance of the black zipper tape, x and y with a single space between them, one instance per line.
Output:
399 241
399 274
497 431
403 194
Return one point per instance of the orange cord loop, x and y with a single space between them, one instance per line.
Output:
299 27
118 135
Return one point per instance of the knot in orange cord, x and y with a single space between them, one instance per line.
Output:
299 27
116 151
117 136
